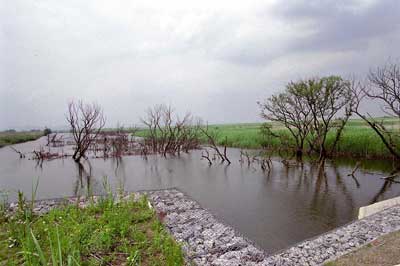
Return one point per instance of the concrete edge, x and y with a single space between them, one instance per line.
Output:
376 207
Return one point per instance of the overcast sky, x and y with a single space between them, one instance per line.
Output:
213 58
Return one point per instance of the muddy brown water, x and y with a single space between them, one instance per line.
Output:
275 211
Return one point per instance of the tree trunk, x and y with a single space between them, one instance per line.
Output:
299 154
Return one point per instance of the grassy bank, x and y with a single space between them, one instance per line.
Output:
105 233
381 252
9 138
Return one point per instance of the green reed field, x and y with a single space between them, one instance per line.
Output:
358 140
9 138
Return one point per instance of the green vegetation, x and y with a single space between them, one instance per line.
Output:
12 137
239 135
358 140
311 109
383 251
126 232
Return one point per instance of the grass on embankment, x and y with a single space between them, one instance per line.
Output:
382 252
9 138
105 233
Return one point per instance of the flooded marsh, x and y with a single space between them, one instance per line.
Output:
291 203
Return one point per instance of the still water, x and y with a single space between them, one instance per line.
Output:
275 211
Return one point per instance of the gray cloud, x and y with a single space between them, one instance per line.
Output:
342 25
215 59
315 26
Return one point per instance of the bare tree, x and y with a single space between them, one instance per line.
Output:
119 142
211 136
54 140
86 122
206 155
155 136
21 154
167 133
383 86
191 134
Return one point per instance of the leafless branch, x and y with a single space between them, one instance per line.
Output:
86 122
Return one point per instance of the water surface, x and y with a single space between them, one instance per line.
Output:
275 211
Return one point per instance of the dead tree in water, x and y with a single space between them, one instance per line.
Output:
119 142
292 112
326 98
206 156
152 122
42 155
167 133
383 86
358 164
264 162
143 151
309 110
245 155
86 122
211 140
54 140
21 154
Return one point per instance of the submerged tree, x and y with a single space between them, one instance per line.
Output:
292 112
211 137
383 86
168 133
86 122
310 109
329 101
47 131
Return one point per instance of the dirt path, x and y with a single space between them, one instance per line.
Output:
381 252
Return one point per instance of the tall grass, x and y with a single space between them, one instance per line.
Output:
358 140
9 138
109 232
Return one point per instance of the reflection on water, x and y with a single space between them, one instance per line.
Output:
275 209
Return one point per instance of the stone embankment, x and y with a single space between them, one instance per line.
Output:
208 241
340 241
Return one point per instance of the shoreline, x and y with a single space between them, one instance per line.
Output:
206 240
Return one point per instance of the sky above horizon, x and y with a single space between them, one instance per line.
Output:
215 59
